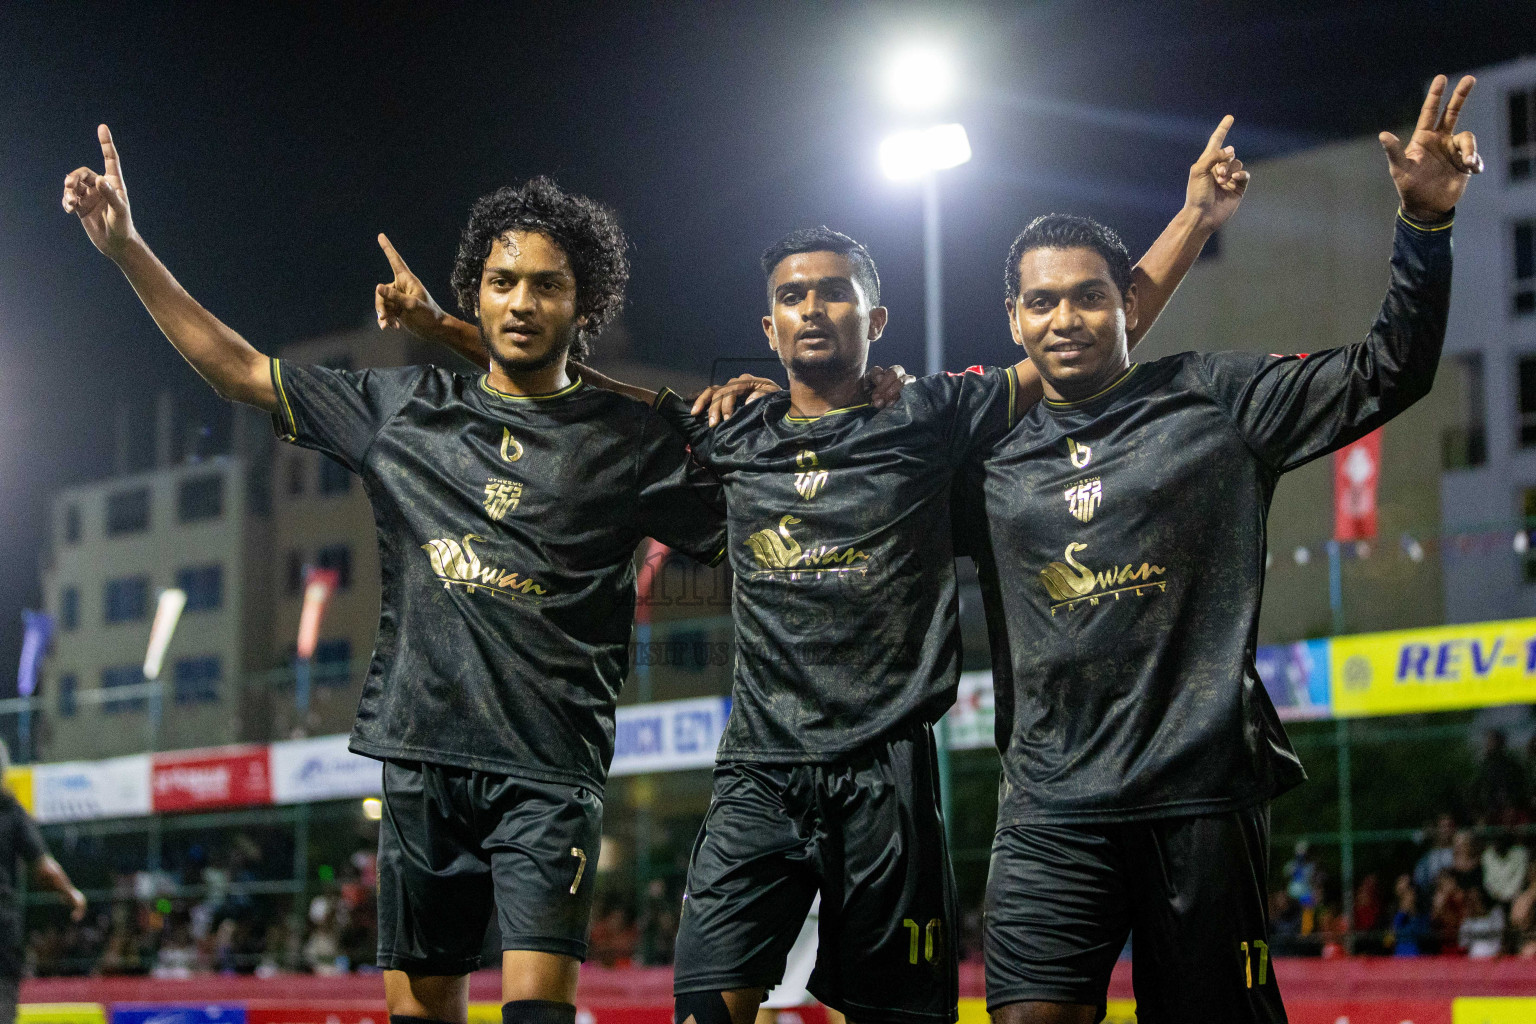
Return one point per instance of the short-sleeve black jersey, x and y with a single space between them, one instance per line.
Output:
507 527
839 539
1121 554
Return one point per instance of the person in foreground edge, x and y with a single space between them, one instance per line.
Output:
509 507
1120 541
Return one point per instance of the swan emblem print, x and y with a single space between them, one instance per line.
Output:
777 551
1071 583
457 565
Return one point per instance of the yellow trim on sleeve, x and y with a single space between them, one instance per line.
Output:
663 393
1012 391
1423 227
282 396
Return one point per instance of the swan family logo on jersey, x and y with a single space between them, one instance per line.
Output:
457 565
778 551
1070 583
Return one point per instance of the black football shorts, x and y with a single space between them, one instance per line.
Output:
1189 891
455 844
867 833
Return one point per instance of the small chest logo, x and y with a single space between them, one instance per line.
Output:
501 497
511 450
1084 498
811 478
1080 454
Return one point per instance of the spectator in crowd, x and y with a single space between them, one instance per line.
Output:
1303 883
1505 863
1368 904
613 939
322 949
1437 858
1482 929
1410 934
177 958
1466 866
1500 782
658 925
1446 910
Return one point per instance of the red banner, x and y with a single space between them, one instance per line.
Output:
210 779
262 1011
1356 469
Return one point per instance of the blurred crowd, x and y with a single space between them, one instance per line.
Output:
1471 891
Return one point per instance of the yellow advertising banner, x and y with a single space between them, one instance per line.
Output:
1498 1010
19 781
974 1011
1439 669
61 1013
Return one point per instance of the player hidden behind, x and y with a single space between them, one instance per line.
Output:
21 844
509 507
1122 558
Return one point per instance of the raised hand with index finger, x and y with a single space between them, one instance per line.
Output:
1431 172
101 200
1217 180
405 301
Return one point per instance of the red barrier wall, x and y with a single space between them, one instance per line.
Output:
1365 979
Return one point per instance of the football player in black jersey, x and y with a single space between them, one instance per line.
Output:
509 507
847 647
1120 534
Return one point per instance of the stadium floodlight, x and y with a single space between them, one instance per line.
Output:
373 808
919 78
167 614
914 153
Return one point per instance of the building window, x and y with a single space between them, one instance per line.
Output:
200 497
126 600
68 705
69 609
333 661
1522 134
204 585
197 680
72 524
119 676
294 575
1465 442
128 511
334 477
338 557
1524 285
296 474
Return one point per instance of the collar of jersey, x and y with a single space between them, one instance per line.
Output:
830 412
485 385
1084 401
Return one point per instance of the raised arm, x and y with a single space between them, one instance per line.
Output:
220 356
405 302
1217 182
53 875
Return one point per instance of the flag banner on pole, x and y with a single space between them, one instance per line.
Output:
38 630
167 614
319 585
1356 470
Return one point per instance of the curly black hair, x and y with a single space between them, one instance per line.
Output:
1067 231
585 229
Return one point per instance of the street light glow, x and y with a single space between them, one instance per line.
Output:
919 78
911 154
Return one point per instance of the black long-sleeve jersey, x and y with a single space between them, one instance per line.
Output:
1121 548
845 606
507 529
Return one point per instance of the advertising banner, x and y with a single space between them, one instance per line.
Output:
322 768
1505 1010
271 1011
1440 669
1296 678
61 1013
1356 471
176 1013
84 790
202 780
669 735
969 724
18 779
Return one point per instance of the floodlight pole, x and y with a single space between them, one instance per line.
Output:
933 283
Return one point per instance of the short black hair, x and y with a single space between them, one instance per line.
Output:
1067 231
586 230
824 239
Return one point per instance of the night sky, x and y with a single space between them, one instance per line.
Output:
265 145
